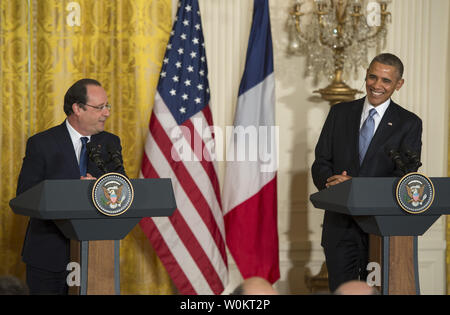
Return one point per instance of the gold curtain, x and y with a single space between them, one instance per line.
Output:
45 46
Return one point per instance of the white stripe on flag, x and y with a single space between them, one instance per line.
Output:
181 254
249 174
194 168
188 211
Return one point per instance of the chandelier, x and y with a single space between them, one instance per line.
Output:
335 37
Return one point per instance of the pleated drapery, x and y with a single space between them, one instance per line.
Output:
45 46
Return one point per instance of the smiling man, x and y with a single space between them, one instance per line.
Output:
60 153
87 118
384 76
354 142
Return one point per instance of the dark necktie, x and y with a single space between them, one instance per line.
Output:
366 134
83 156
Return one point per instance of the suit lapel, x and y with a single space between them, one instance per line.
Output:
65 144
354 121
385 129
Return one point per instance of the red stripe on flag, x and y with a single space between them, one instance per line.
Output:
252 235
159 245
147 168
208 115
197 252
189 240
204 160
188 183
165 255
186 236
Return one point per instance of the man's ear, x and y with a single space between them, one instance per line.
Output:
75 108
399 84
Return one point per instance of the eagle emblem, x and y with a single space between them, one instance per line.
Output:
415 190
114 195
415 193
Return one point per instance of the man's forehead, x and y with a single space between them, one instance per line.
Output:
96 92
382 68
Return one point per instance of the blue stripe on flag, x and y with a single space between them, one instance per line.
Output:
259 62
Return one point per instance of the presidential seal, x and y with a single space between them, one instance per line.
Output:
415 193
112 194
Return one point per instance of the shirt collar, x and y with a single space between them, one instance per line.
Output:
74 135
381 109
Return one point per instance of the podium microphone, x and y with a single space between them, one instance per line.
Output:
400 167
94 153
116 157
413 160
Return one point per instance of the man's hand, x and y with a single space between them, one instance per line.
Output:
337 179
88 176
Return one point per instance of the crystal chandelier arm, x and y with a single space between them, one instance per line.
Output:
356 14
384 15
296 13
379 30
320 12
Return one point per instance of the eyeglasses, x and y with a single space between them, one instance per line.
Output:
99 107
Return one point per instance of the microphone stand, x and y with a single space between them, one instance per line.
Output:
95 156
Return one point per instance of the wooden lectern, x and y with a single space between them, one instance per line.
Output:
69 204
372 203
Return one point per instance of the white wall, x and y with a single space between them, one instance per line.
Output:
419 34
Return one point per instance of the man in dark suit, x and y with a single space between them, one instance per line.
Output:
57 154
355 141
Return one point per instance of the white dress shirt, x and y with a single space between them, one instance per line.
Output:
381 109
76 136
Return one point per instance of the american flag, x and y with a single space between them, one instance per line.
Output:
190 243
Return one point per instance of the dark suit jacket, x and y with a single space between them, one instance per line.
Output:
50 155
338 150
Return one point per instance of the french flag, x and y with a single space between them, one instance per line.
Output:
250 186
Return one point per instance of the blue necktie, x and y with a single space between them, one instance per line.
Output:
83 156
366 134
